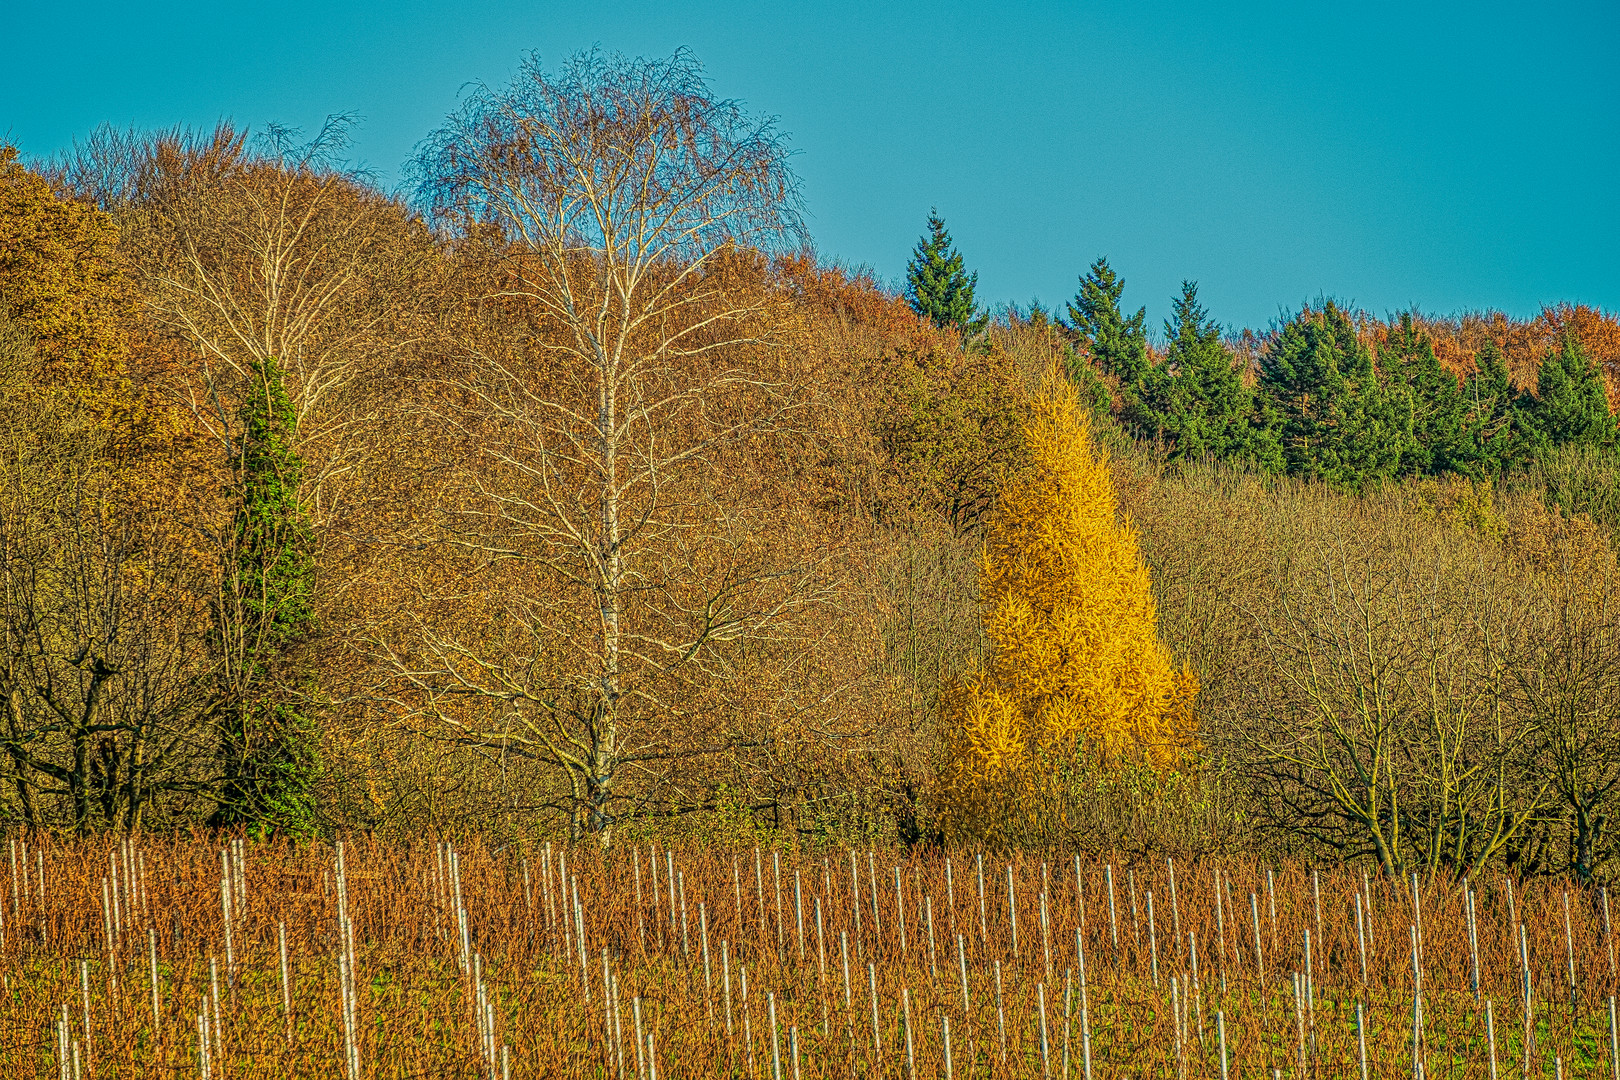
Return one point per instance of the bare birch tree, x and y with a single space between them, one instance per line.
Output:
618 208
265 248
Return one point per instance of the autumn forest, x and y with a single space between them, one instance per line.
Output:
567 493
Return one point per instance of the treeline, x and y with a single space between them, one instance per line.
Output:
566 493
1348 400
1326 393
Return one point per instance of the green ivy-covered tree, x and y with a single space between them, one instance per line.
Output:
269 743
938 285
1319 387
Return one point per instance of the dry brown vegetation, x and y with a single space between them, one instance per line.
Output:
426 959
1407 675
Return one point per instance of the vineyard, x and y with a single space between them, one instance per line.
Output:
146 957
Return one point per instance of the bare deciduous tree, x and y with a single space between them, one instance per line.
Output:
265 249
615 486
104 685
1566 680
1385 727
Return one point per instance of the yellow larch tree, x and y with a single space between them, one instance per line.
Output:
1076 674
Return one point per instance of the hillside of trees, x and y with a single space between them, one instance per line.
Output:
567 492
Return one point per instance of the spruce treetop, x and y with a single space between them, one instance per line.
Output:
1333 418
1118 346
1118 342
1190 328
1208 408
1494 431
938 285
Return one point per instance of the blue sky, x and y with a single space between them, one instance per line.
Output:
1452 157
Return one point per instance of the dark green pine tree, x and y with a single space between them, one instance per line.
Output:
1493 437
938 286
269 746
1118 346
1318 385
1208 410
1427 401
1570 404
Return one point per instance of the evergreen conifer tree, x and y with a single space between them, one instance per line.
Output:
1208 410
938 286
1118 346
1331 417
1076 669
1570 404
270 747
1426 400
1492 433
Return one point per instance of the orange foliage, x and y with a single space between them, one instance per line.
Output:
852 296
1524 343
61 277
1598 331
65 279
